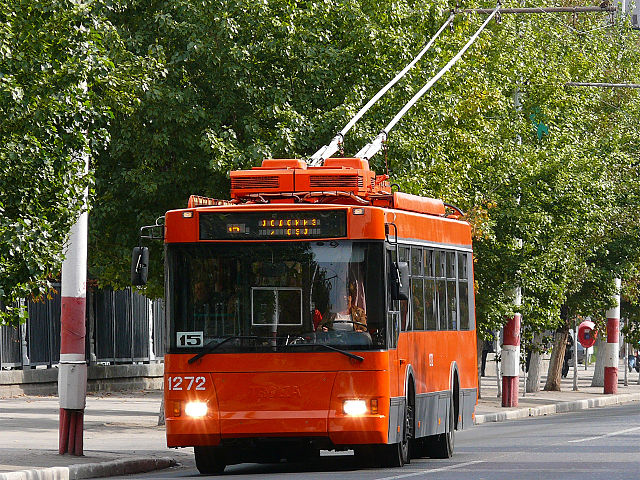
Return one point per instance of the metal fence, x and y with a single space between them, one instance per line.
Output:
122 327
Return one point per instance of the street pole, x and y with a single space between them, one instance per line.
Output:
575 356
72 370
612 349
626 362
498 360
511 356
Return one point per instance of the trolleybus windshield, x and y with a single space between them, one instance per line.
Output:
272 296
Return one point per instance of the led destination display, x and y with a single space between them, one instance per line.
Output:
274 225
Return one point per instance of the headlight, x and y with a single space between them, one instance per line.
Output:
355 407
195 409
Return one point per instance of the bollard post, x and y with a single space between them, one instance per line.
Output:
72 370
612 348
511 357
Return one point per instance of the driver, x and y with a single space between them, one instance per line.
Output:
351 314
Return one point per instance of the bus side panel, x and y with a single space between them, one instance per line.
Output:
430 355
426 414
430 228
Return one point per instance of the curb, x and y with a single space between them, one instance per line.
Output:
560 407
92 470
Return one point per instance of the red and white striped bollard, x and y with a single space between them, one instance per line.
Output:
612 347
72 370
511 357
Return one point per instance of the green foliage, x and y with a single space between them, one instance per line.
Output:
244 80
186 91
569 195
235 82
56 71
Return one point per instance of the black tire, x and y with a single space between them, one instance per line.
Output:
442 445
420 447
210 460
398 454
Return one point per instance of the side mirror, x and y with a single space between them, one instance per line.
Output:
400 281
139 266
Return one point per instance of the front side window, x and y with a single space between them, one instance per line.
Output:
274 296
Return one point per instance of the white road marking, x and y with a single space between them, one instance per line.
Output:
619 432
433 470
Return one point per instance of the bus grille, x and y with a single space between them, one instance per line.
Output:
251 183
335 181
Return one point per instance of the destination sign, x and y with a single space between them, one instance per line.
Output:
275 225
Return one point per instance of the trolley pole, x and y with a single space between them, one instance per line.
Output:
511 357
612 349
72 371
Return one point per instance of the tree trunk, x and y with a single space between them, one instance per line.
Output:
161 414
557 359
535 365
598 371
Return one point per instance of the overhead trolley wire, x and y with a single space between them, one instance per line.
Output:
376 144
328 150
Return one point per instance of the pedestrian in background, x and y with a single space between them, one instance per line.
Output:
568 354
487 347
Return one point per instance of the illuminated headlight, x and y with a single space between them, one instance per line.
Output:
195 409
355 407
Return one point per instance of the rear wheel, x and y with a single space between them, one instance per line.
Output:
420 447
210 460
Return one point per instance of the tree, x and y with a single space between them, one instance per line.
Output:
237 81
57 71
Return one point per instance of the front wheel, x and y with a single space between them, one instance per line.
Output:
397 454
441 446
210 460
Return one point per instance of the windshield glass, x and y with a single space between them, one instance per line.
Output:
276 295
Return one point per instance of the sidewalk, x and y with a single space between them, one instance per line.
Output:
122 436
489 408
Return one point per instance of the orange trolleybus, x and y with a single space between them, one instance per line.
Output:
318 309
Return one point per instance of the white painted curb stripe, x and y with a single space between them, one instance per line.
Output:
562 407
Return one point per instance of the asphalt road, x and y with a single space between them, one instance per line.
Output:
593 444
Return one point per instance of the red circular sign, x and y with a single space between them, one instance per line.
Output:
587 334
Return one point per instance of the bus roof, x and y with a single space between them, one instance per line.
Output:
348 181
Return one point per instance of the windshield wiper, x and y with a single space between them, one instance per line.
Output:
211 346
329 347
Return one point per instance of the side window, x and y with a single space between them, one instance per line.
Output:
452 292
430 313
463 290
417 288
405 319
441 289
